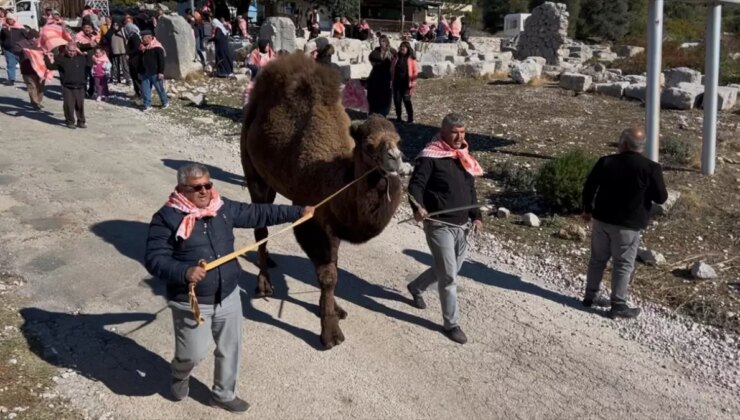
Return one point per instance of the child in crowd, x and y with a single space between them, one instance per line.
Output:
101 72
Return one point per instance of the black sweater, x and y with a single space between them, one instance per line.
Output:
9 37
152 62
624 186
71 69
439 184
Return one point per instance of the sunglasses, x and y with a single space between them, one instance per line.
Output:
199 188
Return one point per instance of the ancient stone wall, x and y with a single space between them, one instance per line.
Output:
545 33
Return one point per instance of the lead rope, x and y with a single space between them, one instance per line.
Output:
226 258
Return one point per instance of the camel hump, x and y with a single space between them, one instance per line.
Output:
296 80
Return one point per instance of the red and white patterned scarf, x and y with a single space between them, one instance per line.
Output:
438 148
180 202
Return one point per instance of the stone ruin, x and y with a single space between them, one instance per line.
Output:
176 36
545 33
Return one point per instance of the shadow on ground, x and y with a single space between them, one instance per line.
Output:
216 172
488 276
86 344
349 288
16 107
128 236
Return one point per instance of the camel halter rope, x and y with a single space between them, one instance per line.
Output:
226 258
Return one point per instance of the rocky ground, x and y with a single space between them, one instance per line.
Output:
78 203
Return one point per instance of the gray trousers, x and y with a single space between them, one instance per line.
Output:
620 244
448 247
224 323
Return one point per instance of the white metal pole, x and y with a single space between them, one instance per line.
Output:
652 93
711 81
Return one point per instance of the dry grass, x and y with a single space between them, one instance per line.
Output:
499 75
539 81
195 77
23 375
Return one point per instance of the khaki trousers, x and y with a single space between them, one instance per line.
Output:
35 88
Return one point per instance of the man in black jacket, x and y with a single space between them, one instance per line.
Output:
442 181
71 63
10 34
197 224
151 72
617 198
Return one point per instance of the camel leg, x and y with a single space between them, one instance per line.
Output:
322 248
260 192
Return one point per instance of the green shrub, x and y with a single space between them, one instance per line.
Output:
677 150
516 178
560 181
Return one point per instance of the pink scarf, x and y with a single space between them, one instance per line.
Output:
52 36
438 148
36 57
153 44
180 202
84 39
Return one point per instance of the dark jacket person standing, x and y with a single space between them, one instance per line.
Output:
72 65
197 224
443 179
618 195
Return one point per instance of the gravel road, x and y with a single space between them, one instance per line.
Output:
75 205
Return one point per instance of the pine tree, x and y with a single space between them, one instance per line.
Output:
604 19
638 17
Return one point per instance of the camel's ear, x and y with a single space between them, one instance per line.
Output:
355 130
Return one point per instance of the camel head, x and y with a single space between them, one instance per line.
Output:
377 144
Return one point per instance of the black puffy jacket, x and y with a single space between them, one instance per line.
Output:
168 258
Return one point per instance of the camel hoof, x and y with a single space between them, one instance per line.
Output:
331 334
341 313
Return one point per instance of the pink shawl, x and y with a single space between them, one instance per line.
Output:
438 148
180 202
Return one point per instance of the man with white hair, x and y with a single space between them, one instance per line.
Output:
617 197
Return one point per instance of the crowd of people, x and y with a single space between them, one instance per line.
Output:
105 51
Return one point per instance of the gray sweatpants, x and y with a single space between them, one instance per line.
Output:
224 323
448 247
620 244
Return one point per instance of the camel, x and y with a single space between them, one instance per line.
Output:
297 140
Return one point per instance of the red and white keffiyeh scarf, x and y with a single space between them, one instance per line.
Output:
438 148
180 202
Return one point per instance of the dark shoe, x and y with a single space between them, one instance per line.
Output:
237 405
621 310
37 107
71 125
81 125
599 301
457 335
180 388
418 300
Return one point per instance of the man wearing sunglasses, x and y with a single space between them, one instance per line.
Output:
197 224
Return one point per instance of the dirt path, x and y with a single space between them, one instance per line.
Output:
75 207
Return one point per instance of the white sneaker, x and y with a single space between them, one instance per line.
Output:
165 106
147 109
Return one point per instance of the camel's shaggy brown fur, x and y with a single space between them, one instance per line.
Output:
297 140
